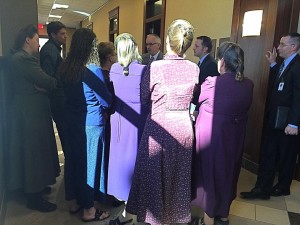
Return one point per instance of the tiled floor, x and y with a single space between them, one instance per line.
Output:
277 210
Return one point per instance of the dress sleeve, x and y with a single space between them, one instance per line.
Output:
145 88
156 74
95 87
31 70
206 89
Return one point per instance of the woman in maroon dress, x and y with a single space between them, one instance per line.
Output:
220 132
160 192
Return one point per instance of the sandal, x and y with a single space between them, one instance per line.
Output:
218 221
201 222
194 221
99 216
118 222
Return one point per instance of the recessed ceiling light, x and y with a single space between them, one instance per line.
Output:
82 13
55 16
59 6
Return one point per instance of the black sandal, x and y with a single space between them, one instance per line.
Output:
118 222
218 221
194 221
97 216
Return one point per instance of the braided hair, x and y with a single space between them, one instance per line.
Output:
180 36
233 56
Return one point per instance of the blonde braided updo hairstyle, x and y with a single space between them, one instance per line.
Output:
180 36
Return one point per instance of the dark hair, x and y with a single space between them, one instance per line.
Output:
295 38
104 50
233 56
80 51
206 42
54 27
27 32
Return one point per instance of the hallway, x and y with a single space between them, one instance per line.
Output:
277 210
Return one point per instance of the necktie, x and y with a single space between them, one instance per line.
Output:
280 69
148 65
151 60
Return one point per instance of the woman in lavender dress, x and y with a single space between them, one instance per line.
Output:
127 123
220 132
160 192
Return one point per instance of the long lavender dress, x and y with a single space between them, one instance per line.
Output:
160 192
127 124
220 132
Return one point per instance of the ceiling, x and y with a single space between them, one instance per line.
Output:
68 17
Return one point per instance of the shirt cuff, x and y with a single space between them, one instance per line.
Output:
293 126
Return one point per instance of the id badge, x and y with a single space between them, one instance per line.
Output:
280 86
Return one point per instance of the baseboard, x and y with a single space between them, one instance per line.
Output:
249 165
2 206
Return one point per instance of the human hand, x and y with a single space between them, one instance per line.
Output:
271 56
290 130
40 89
195 115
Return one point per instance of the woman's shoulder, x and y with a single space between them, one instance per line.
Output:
19 55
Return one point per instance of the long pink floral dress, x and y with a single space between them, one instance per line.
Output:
160 193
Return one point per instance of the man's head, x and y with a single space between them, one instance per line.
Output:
288 45
203 46
153 43
57 32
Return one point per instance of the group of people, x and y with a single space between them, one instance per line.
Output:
126 127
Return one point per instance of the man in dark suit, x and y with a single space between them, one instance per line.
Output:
280 145
153 43
207 64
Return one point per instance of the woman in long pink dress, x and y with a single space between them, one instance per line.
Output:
160 192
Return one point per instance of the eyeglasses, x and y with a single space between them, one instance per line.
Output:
150 44
281 44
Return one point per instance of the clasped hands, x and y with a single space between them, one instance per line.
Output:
290 130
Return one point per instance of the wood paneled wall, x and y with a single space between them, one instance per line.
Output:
279 17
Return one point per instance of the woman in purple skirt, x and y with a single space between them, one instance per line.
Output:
220 132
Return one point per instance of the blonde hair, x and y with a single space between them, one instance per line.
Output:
180 36
127 49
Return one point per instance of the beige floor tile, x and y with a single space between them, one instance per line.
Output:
236 220
293 203
243 209
246 183
271 215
